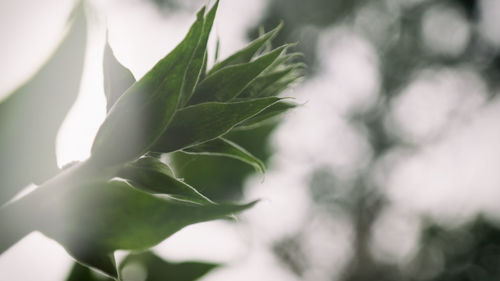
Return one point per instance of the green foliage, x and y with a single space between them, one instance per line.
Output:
227 83
125 197
246 54
222 178
142 114
206 121
224 147
267 114
149 173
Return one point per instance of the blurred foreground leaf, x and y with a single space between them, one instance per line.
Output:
159 269
82 273
30 117
94 220
146 265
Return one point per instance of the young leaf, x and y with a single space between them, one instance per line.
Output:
199 123
228 82
198 61
280 85
267 114
217 50
142 113
284 61
263 81
117 78
159 269
226 148
152 175
246 54
30 117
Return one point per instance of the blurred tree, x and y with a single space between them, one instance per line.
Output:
469 252
404 48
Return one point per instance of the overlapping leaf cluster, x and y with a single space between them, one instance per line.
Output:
125 196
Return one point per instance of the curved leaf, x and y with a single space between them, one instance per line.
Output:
152 175
227 148
30 117
280 85
230 81
267 114
199 123
92 220
258 86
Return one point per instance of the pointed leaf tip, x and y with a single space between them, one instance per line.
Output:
117 78
247 53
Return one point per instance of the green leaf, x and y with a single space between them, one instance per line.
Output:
226 148
159 269
199 123
31 116
96 258
280 85
117 78
152 175
155 268
204 67
230 81
142 113
286 60
257 87
83 273
246 54
198 61
222 178
217 50
267 114
92 220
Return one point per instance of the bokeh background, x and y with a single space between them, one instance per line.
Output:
389 170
